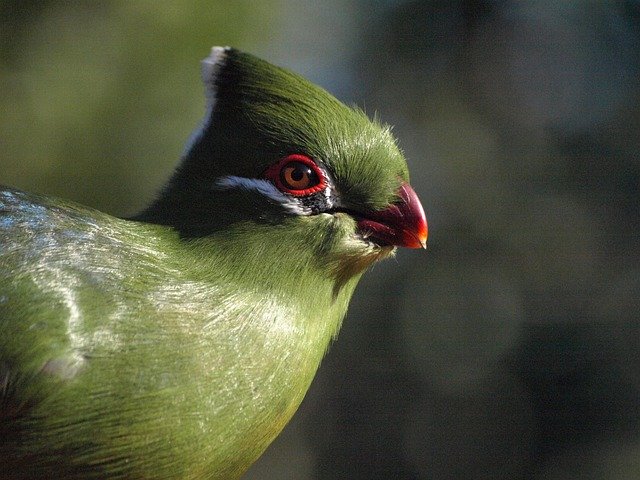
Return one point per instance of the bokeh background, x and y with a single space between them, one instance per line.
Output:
510 349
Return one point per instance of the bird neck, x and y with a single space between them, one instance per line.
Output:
281 260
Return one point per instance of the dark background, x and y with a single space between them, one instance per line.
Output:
511 348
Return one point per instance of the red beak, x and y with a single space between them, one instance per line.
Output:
403 224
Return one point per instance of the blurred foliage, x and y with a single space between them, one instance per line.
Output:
511 349
103 94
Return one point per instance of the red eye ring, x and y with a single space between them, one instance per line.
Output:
297 175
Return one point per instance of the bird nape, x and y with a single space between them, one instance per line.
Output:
178 343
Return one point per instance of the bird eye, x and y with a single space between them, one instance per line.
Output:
297 175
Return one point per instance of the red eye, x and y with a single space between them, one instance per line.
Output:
296 174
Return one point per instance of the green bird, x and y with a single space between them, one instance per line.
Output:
178 343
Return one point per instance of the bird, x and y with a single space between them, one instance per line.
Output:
178 342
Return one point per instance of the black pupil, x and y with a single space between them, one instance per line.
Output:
299 172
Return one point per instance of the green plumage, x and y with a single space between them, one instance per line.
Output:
179 344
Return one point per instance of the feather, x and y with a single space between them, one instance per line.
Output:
178 343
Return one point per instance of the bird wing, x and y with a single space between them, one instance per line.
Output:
33 311
65 276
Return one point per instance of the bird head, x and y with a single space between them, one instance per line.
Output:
277 151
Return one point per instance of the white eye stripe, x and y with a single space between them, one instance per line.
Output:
264 188
232 182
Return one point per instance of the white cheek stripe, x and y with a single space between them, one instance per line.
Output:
264 188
